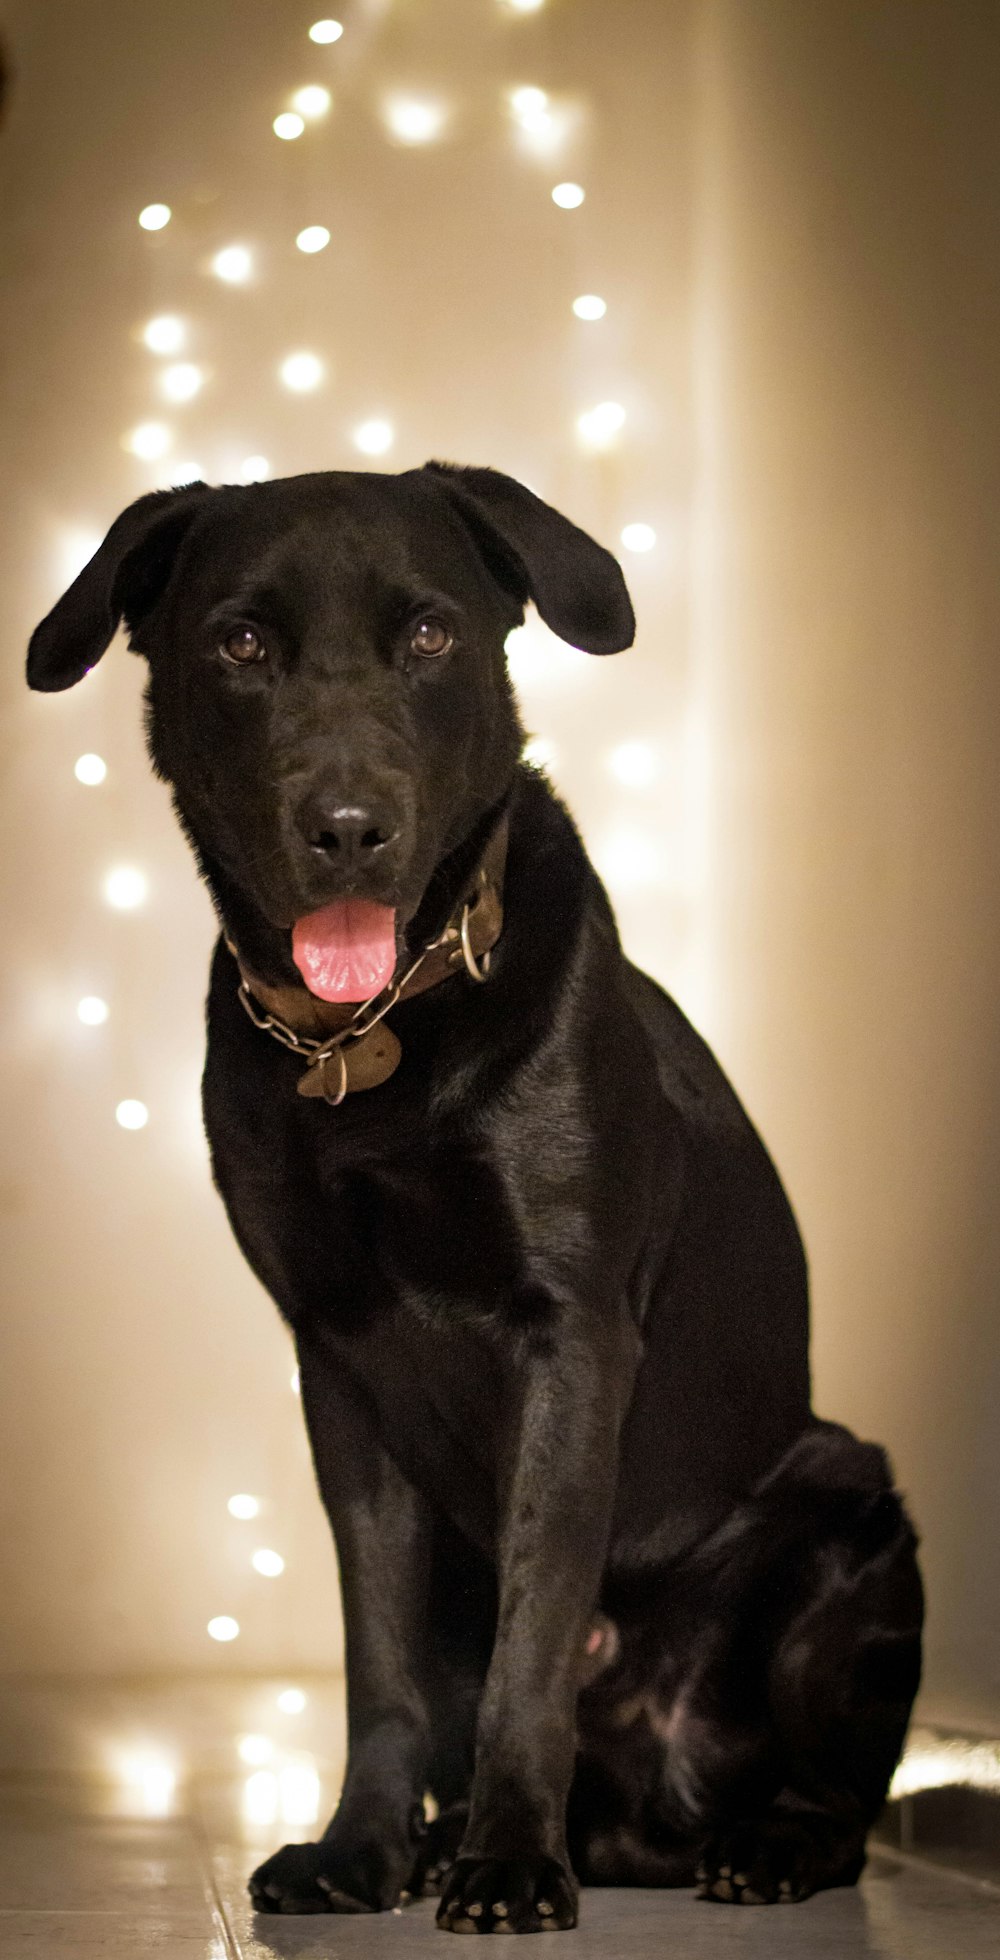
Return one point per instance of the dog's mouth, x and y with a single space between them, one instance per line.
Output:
347 950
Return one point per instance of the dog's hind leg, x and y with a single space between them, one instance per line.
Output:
763 1694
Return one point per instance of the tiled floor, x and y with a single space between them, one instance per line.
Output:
134 1862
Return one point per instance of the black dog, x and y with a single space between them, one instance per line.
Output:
612 1594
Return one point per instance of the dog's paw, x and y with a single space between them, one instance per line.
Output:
316 1878
776 1861
508 1895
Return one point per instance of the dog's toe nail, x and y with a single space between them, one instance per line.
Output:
545 1909
725 1871
722 1889
475 1910
752 1898
739 1878
500 1908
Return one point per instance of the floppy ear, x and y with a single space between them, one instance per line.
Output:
123 580
537 554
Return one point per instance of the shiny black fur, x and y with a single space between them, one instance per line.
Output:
549 1298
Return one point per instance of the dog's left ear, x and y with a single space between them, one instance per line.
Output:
123 580
538 554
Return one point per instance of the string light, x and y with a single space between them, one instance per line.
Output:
301 372
314 238
288 126
125 888
323 32
634 764
568 196
269 1564
539 751
292 1701
598 427
255 1749
92 1010
150 441
254 469
243 1505
179 474
223 1627
181 382
311 102
638 537
411 120
164 335
590 306
132 1115
234 264
374 438
90 769
154 216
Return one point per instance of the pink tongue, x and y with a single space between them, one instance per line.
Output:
347 950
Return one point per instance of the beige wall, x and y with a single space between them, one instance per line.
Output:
791 211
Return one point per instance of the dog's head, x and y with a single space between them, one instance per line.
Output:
328 695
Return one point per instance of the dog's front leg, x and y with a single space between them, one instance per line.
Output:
512 1872
381 1527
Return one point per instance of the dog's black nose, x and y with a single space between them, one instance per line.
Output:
349 834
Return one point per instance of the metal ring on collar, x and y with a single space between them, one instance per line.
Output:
475 972
342 1089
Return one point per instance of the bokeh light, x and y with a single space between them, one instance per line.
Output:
153 217
288 126
149 440
182 381
411 119
269 1564
234 264
292 1701
323 32
590 306
312 101
301 372
314 238
132 1115
125 888
243 1505
569 197
223 1627
165 334
254 469
255 1749
92 1011
639 537
598 427
90 769
373 438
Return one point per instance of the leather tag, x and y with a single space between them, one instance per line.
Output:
368 1062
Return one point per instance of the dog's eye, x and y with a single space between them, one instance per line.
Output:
430 638
243 647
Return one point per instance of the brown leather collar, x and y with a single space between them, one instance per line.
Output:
350 1047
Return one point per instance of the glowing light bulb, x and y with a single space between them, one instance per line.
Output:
255 1749
288 126
150 441
179 474
314 238
634 764
312 101
413 121
90 769
181 381
154 216
164 335
223 1627
234 264
374 438
254 469
598 427
132 1115
325 31
301 372
125 888
539 751
243 1505
260 1797
568 196
590 307
298 1788
292 1701
92 1010
638 537
269 1564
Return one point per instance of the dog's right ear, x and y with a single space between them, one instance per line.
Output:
123 580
